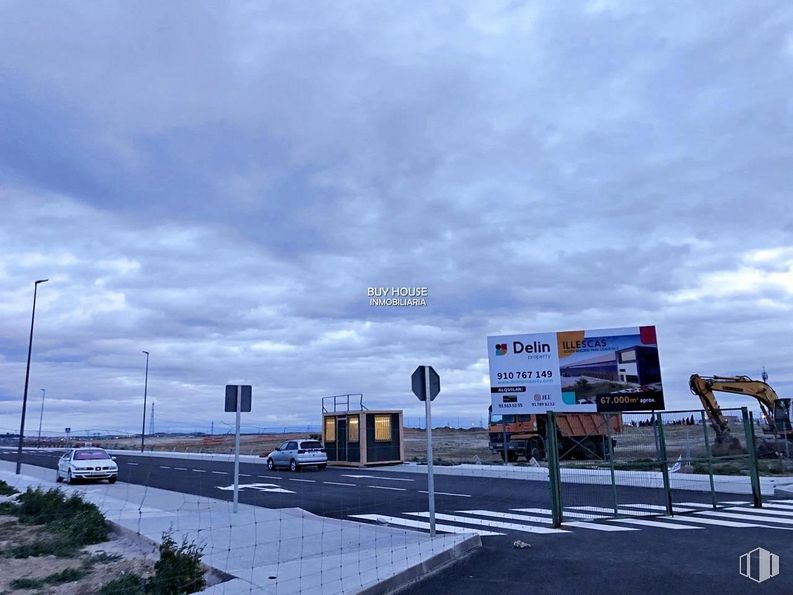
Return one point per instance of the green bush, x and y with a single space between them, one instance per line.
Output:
71 517
65 576
57 545
127 584
5 489
178 570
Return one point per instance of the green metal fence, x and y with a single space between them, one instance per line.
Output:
661 463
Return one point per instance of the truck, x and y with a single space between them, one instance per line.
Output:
580 435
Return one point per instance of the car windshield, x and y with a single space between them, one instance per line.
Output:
90 455
310 444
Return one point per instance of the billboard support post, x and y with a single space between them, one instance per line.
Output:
554 476
659 429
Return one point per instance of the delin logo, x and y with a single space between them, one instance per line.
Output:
501 349
759 565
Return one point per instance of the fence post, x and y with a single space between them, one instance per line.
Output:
610 449
710 457
554 476
664 463
748 429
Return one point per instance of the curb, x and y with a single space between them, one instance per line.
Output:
419 572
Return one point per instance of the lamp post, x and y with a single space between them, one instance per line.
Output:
145 391
27 377
41 415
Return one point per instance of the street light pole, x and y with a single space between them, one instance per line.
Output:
41 415
27 377
145 391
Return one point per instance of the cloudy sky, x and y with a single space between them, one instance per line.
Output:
220 183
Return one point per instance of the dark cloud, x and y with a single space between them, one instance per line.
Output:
220 185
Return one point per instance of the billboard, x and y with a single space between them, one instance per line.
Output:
576 371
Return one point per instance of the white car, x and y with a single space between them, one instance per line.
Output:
297 454
86 463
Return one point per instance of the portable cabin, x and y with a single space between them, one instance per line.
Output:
356 436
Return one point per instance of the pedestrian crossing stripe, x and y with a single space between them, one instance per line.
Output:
494 523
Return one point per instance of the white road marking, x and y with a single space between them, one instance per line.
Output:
259 487
596 526
575 515
720 522
697 504
377 477
782 513
303 480
220 473
446 494
659 507
268 477
648 523
745 517
180 468
245 475
387 488
338 483
493 524
392 520
735 502
199 470
133 463
780 506
507 515
164 467
611 510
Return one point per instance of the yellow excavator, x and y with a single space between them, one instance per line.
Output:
776 411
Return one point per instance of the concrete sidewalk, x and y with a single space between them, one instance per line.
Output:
268 550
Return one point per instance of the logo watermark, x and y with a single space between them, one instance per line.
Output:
397 296
759 565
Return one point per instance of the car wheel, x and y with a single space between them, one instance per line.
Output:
322 466
270 464
69 479
112 480
293 465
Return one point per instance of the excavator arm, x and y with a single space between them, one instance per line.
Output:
775 410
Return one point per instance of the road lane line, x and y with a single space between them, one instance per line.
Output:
220 473
337 483
388 488
133 463
164 467
392 520
303 480
648 523
180 468
199 470
268 476
446 494
493 524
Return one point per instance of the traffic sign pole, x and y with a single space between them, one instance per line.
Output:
237 450
430 480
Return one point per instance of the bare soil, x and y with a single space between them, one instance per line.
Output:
135 557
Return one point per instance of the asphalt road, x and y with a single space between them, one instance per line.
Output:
695 552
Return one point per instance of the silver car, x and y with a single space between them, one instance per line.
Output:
296 454
86 463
